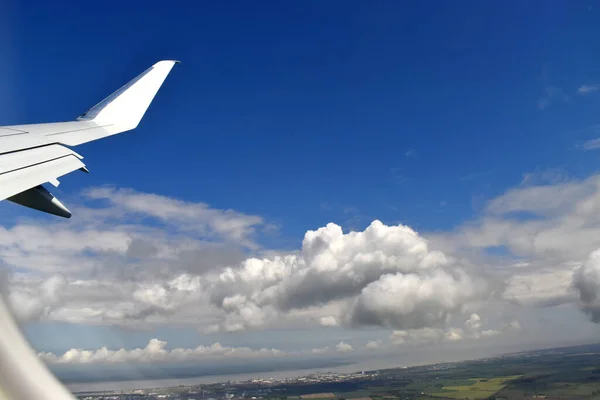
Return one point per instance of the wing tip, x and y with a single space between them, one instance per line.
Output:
172 62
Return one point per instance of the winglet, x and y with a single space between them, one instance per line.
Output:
126 107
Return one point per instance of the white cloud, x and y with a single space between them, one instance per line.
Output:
155 351
592 144
328 321
473 324
541 287
552 225
36 298
586 282
373 344
188 270
454 334
473 330
551 93
550 229
359 275
417 336
134 274
414 301
344 347
586 89
195 216
320 350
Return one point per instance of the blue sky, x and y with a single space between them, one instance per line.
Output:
298 105
304 113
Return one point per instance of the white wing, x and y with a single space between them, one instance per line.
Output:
31 155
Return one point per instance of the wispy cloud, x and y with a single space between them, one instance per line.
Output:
552 93
586 89
592 144
397 175
541 176
410 153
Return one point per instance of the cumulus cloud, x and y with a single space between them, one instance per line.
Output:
134 274
420 336
472 330
414 301
37 298
552 224
155 351
374 344
320 350
344 347
473 324
382 276
132 260
586 282
328 321
550 229
541 287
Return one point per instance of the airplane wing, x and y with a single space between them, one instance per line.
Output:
31 155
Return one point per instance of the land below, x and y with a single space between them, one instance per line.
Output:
553 374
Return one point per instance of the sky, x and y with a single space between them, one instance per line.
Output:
391 182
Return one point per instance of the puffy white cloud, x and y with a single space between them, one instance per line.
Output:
551 229
553 223
473 324
384 276
198 266
328 321
454 334
344 347
35 299
586 282
155 351
373 344
541 287
122 270
414 301
417 336
320 350
473 330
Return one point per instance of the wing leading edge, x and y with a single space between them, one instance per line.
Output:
31 155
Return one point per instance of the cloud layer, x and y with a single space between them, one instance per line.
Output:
142 260
130 274
155 351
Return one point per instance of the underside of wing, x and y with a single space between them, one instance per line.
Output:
23 172
31 155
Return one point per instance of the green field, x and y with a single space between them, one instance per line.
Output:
481 388
554 374
573 389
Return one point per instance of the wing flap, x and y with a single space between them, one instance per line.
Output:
31 155
24 178
23 159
